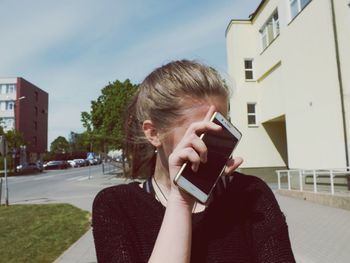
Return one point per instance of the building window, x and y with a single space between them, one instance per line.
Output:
296 6
36 96
248 69
270 30
7 88
11 88
2 105
251 113
35 140
10 105
35 125
3 88
36 111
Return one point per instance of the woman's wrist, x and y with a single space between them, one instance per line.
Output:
180 198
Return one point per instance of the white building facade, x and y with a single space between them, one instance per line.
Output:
290 63
7 102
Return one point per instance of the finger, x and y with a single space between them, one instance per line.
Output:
197 144
196 129
195 167
210 113
232 165
194 159
178 158
202 126
200 147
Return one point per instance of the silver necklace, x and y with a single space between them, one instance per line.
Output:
166 199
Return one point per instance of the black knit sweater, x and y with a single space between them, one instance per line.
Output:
245 224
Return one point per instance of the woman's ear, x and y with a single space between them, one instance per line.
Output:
151 133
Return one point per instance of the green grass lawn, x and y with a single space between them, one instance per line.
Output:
39 233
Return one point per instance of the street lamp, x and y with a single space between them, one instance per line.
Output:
15 129
5 159
14 159
14 110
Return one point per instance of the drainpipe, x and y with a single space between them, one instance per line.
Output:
340 80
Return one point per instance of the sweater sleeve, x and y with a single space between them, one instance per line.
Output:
270 236
110 230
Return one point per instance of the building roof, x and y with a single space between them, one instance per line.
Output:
251 16
8 80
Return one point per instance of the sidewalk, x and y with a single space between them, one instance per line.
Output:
319 234
83 250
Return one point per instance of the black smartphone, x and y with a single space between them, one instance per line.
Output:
220 146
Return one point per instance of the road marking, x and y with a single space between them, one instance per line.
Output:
74 178
84 178
79 171
43 177
78 178
16 178
21 179
53 173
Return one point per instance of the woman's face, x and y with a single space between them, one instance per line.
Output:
194 111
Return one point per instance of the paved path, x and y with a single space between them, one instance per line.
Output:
319 234
83 251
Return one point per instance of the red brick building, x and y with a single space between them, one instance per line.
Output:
24 106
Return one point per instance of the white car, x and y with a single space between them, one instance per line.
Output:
72 163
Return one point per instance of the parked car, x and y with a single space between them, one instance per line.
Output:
29 168
72 163
51 165
94 161
80 162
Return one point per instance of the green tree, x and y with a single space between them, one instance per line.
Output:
59 145
79 142
104 123
14 139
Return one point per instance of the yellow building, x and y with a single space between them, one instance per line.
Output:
290 64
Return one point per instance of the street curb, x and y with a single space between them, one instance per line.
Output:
337 200
72 247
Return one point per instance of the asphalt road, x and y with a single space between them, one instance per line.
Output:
77 186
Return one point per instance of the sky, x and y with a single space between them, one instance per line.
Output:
72 49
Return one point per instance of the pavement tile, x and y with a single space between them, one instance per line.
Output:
82 251
318 233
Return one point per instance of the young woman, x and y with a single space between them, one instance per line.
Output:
158 222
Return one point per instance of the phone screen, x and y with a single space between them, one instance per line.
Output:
220 146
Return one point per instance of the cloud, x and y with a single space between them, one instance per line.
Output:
186 38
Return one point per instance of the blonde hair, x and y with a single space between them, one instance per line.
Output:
160 98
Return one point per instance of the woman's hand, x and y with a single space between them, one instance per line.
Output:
190 148
232 164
